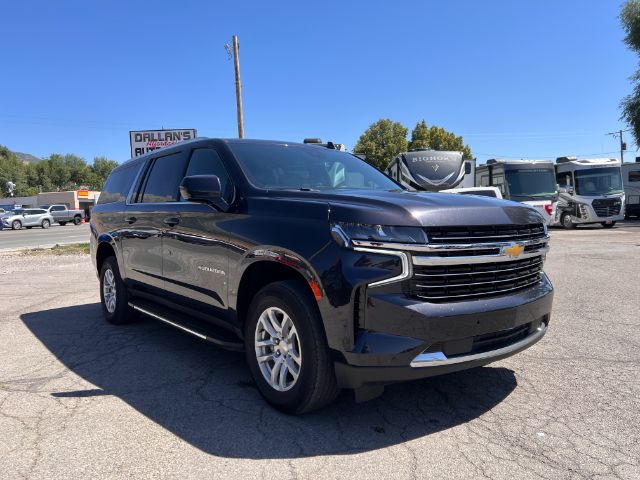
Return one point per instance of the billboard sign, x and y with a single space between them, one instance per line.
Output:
144 141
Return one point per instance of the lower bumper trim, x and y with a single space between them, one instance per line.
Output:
436 359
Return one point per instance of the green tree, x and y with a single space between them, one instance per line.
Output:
382 141
630 19
436 138
100 170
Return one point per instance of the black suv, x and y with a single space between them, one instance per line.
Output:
324 271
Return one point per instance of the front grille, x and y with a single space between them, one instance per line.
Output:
606 207
484 234
440 283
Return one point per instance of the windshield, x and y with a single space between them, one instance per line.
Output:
15 212
598 181
531 182
284 167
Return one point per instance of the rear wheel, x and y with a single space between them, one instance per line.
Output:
16 225
46 223
77 220
113 294
608 225
62 223
567 222
286 349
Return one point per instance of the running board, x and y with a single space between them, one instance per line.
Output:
200 329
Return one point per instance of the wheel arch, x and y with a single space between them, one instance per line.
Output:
106 248
269 266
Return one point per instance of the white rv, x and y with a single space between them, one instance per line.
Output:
429 170
590 192
631 183
526 181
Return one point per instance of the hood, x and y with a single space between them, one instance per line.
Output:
412 208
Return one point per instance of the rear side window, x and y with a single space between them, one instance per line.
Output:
117 186
206 161
164 178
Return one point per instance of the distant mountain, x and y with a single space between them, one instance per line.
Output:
27 157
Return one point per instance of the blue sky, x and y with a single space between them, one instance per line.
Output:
516 79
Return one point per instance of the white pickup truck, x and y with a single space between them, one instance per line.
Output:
63 215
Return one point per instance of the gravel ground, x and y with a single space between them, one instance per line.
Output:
80 398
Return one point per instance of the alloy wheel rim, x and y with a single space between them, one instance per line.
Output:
278 349
109 291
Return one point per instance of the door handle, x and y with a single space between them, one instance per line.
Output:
130 220
171 221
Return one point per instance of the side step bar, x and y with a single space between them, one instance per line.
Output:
200 329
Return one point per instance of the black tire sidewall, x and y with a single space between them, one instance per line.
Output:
77 220
275 295
122 312
570 225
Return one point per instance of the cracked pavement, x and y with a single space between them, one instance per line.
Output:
80 398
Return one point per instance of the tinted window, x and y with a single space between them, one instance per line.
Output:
206 161
163 180
58 208
282 166
117 186
634 175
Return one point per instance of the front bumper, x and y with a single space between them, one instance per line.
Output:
406 340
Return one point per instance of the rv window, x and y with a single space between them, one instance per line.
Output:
634 175
484 181
467 168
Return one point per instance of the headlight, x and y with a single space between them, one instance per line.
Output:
382 233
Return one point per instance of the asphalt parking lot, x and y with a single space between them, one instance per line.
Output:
83 399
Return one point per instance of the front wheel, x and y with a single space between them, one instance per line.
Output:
286 349
46 223
567 222
113 294
16 225
608 225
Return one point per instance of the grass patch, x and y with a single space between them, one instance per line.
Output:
73 249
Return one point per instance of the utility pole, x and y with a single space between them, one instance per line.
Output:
623 145
236 65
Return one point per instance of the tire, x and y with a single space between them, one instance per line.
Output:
77 220
567 222
118 312
16 225
608 225
315 385
62 224
28 228
45 223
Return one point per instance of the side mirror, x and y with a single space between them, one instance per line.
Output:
202 188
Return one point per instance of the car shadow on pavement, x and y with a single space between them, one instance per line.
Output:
205 395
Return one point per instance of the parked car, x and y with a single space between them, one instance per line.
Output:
483 191
323 270
28 217
63 215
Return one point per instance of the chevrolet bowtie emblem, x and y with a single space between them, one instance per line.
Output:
435 167
514 250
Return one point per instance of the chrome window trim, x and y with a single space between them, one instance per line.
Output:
407 269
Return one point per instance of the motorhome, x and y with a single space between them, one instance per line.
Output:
591 192
631 183
526 181
428 170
